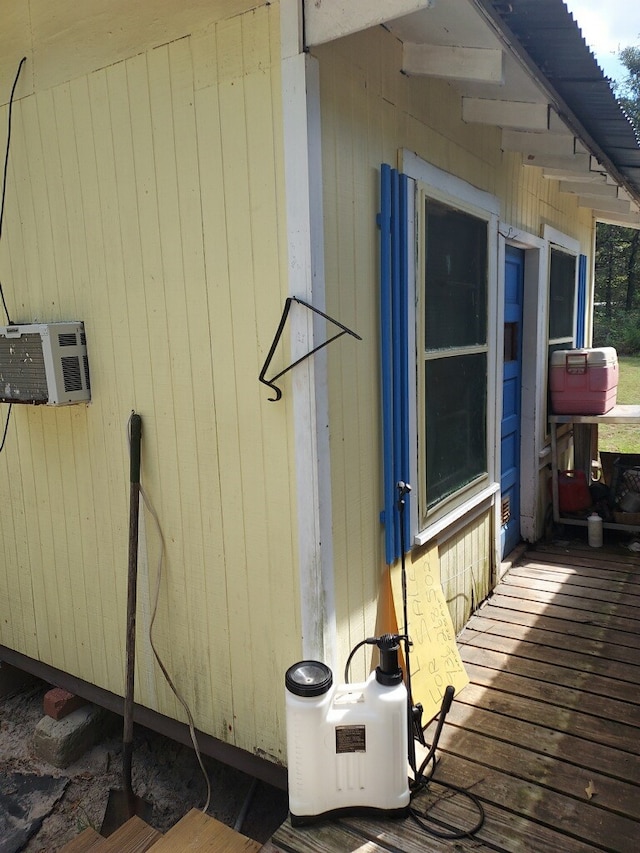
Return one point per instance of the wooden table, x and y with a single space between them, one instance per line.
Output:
616 415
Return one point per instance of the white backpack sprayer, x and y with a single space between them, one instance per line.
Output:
350 746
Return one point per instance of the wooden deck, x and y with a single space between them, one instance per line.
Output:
547 734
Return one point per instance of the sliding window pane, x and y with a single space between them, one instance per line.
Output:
455 278
456 418
562 288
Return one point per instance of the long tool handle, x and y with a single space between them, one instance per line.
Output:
132 578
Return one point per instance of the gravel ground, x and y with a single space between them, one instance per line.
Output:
165 773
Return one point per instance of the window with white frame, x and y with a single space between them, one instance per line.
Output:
452 345
438 274
562 305
562 300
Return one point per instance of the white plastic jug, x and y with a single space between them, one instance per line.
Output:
594 530
346 745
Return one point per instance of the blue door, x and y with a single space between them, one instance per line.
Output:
511 396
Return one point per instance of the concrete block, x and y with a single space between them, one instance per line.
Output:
61 742
59 703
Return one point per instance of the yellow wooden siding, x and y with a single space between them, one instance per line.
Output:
147 200
465 569
370 111
62 44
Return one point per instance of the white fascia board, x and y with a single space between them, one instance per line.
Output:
481 65
326 20
505 114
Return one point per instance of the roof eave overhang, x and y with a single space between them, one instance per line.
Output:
563 109
470 43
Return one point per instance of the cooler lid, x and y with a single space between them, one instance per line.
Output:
586 356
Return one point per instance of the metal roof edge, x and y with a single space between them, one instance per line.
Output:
508 20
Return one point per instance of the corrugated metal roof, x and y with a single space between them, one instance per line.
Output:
553 41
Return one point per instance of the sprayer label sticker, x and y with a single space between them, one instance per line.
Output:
351 739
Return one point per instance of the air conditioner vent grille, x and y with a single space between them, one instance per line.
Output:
68 339
22 371
85 362
71 373
44 363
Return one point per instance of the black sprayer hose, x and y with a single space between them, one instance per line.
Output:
420 781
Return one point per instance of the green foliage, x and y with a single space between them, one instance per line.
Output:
617 288
624 438
617 266
619 329
629 90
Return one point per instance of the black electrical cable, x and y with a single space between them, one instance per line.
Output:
421 782
5 170
6 154
4 304
6 428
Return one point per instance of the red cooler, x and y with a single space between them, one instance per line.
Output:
583 381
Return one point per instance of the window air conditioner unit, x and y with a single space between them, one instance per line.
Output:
44 363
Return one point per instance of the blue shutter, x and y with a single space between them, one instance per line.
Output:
394 326
582 301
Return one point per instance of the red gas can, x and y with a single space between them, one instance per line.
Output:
573 491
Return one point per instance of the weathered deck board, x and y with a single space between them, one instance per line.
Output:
621 640
606 731
573 587
601 673
514 599
552 714
560 636
577 600
555 696
581 554
614 582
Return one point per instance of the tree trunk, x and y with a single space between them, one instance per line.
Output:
631 270
609 287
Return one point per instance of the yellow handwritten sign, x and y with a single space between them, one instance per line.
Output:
434 656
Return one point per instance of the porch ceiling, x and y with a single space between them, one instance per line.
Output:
523 66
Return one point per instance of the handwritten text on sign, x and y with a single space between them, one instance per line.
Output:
435 659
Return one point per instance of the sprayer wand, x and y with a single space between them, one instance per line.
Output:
414 712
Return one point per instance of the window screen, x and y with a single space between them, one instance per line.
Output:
456 423
456 278
562 287
454 359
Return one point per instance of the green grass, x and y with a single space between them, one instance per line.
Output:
624 438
